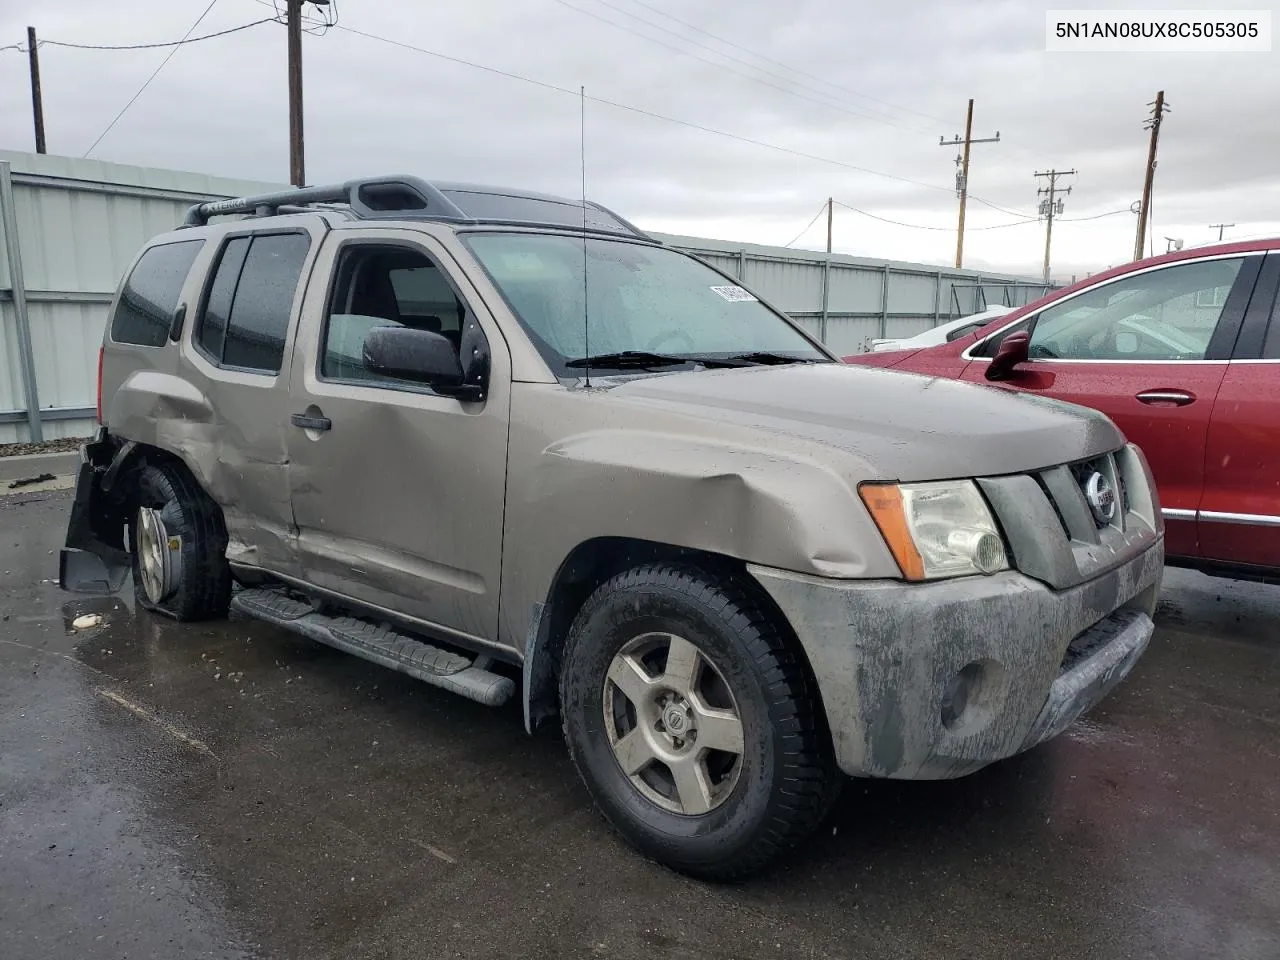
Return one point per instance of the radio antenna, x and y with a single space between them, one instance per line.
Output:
582 159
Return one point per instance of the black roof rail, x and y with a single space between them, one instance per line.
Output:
369 198
402 197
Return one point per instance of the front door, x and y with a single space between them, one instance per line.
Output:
1141 349
397 491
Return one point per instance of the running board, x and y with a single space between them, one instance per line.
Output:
379 644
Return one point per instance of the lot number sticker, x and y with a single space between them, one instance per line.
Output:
733 294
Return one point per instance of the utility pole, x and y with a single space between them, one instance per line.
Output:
37 101
297 172
1050 207
1220 227
1144 212
962 172
830 204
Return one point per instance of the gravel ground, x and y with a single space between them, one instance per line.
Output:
47 446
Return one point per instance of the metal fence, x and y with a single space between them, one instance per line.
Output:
849 301
68 230
70 227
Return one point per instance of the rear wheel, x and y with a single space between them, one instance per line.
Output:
693 722
178 542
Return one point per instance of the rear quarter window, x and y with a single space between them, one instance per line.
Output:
144 312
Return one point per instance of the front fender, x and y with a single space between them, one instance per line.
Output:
759 505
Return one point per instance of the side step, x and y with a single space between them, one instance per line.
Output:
379 644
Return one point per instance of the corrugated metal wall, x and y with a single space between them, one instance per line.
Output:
850 301
79 223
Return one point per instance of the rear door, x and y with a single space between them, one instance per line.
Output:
1149 349
237 351
1239 518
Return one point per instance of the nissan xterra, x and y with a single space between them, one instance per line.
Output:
509 445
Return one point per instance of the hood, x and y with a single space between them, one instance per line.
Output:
882 358
903 426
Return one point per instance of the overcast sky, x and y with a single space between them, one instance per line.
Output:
869 85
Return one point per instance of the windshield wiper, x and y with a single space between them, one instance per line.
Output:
639 359
765 357
624 359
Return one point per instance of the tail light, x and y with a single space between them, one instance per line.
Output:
101 350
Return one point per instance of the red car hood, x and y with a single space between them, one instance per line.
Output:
884 358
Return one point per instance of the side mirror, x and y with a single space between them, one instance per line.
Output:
176 319
419 355
1014 349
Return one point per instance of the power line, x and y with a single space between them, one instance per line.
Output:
645 113
722 66
922 226
1012 213
779 63
147 82
653 115
1096 216
995 226
885 118
809 225
153 46
318 26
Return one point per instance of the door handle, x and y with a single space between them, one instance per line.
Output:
308 422
1179 398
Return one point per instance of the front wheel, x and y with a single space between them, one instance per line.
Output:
693 721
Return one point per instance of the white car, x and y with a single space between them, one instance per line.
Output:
943 333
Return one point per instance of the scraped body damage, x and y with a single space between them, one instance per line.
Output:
232 441
588 464
884 652
761 464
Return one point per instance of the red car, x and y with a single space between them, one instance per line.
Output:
1183 352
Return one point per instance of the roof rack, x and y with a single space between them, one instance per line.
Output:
412 198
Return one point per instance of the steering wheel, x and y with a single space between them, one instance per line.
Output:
666 335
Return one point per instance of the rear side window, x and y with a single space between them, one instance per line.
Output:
1271 346
144 313
247 309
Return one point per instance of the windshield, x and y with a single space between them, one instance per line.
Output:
641 299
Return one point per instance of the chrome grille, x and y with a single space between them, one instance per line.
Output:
1053 532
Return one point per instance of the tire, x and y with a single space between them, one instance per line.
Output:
199 587
786 778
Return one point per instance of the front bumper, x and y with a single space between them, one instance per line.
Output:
937 680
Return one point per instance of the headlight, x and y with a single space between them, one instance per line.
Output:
935 530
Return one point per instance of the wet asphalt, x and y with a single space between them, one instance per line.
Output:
228 790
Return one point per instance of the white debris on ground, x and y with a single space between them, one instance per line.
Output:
86 621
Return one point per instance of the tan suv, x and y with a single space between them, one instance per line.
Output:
509 445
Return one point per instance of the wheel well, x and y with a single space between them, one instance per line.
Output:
120 481
590 564
129 461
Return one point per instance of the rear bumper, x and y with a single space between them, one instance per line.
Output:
94 559
933 681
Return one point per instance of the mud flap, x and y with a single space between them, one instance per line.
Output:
87 563
80 571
